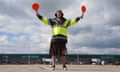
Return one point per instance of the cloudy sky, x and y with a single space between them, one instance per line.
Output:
22 32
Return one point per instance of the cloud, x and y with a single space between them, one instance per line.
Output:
11 9
89 50
97 33
48 8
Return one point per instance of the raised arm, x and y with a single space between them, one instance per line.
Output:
74 21
43 19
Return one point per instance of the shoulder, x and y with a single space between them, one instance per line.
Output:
52 19
64 18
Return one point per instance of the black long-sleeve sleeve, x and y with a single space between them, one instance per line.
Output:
39 16
77 19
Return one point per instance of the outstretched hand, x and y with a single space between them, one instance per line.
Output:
81 17
37 13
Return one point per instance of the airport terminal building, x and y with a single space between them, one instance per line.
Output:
71 59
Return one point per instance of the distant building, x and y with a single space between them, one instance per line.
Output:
71 59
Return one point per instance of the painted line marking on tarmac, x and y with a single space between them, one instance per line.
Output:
46 68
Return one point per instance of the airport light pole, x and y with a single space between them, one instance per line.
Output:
77 58
28 58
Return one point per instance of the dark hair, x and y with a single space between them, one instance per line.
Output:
60 12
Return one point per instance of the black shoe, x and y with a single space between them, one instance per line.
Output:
53 68
65 68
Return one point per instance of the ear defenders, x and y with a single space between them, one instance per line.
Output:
60 12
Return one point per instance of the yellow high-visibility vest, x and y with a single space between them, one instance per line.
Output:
60 29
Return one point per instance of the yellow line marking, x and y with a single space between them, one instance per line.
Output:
46 68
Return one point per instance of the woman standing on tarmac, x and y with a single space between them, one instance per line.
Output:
59 26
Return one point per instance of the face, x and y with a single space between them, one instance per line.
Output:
59 14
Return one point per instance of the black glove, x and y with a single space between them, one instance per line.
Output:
81 17
78 18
